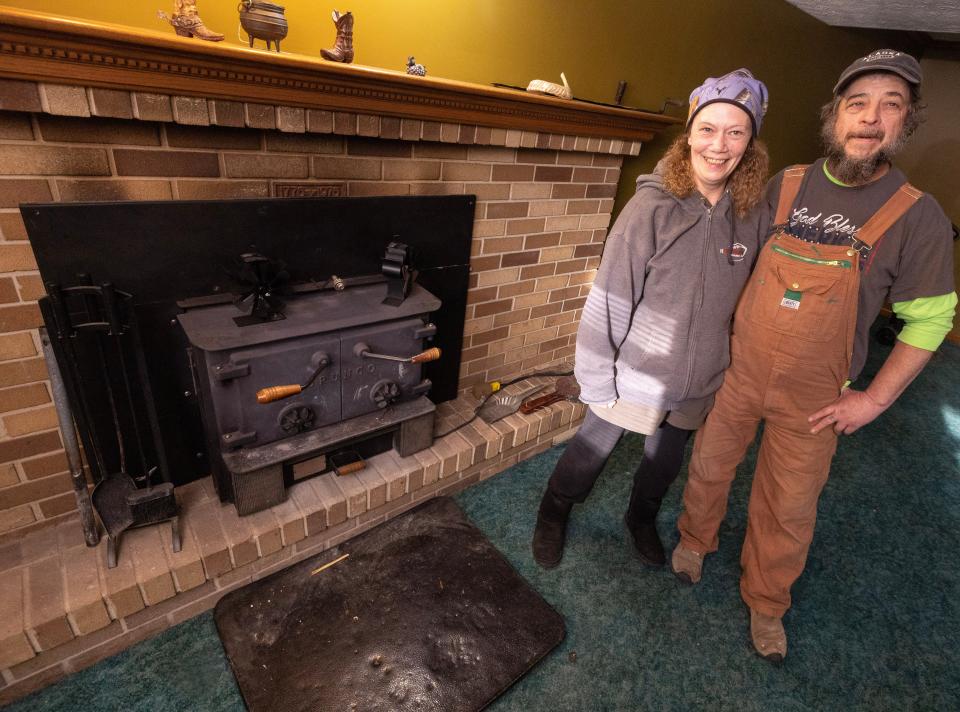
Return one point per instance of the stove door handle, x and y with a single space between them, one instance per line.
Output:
275 393
363 351
431 354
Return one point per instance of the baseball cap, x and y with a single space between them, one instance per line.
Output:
882 60
739 88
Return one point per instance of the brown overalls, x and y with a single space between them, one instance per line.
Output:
790 354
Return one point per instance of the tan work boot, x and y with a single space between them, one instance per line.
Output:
769 637
687 564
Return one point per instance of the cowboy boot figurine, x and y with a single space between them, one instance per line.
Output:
343 49
187 22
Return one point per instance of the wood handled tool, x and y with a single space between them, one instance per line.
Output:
541 402
502 405
347 462
275 393
431 354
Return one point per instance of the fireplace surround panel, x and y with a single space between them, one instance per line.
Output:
174 254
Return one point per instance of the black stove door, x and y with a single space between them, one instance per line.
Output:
290 362
371 383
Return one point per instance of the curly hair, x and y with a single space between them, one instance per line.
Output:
745 183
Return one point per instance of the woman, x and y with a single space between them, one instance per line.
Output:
654 336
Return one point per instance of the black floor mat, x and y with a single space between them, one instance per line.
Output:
424 614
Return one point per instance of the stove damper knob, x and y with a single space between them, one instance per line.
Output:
296 418
383 393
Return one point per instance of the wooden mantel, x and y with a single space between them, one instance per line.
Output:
46 48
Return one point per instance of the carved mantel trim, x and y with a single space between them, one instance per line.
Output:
46 48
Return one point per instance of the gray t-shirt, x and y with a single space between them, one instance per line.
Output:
913 259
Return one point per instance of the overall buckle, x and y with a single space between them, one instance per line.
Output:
860 246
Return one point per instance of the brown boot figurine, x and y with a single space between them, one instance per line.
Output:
187 22
343 49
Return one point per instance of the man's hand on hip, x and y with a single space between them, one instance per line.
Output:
851 411
854 409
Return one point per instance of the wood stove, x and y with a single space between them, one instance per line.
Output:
358 358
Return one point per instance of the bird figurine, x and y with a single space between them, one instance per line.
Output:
414 69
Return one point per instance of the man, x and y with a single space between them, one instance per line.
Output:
849 233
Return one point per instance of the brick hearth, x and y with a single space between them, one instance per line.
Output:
63 609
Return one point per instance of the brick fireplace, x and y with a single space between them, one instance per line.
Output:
91 112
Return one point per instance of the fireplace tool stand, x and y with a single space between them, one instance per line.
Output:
94 338
71 445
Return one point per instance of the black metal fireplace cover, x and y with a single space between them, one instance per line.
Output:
166 251
424 614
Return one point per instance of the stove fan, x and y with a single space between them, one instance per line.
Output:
261 283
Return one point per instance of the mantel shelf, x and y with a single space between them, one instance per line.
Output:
46 48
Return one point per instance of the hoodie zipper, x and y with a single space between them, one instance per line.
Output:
696 315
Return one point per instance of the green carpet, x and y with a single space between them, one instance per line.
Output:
873 624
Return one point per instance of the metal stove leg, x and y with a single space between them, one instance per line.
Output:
414 435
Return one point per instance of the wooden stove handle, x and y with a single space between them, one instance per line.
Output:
428 355
275 393
350 467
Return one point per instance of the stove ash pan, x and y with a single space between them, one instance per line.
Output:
332 375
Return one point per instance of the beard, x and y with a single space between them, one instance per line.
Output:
856 171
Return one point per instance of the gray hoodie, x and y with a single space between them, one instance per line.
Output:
655 328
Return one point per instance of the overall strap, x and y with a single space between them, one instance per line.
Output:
891 211
789 187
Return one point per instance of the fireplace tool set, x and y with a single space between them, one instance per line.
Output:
98 367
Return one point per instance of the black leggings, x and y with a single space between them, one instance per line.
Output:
588 451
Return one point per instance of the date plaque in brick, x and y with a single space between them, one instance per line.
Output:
310 190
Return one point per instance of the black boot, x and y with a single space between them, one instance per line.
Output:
641 521
551 530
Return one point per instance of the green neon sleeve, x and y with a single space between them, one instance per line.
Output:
928 320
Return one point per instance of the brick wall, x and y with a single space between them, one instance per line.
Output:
543 208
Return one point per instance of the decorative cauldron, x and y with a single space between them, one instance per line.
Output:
263 21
